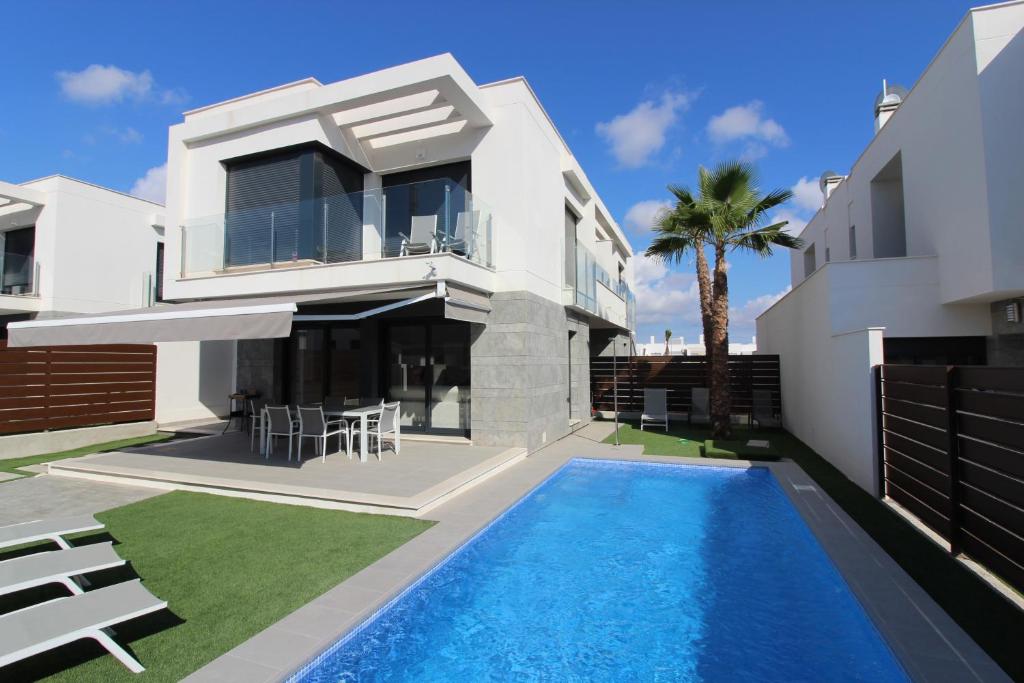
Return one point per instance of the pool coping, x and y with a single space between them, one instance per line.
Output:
927 642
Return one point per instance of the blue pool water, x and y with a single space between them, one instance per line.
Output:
627 571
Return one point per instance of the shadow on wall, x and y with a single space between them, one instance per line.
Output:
216 375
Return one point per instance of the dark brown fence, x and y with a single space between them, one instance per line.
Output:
680 374
75 386
952 444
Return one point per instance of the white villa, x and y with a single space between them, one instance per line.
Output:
406 234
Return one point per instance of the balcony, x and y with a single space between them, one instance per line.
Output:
19 274
417 219
613 301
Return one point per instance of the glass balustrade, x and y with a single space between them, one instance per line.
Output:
431 217
18 276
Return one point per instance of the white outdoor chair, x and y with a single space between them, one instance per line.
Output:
700 412
383 426
47 530
655 409
49 625
422 238
280 423
459 241
764 412
256 407
313 425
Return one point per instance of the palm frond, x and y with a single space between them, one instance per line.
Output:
762 240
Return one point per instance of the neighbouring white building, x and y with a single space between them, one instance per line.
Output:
71 247
677 346
917 255
406 234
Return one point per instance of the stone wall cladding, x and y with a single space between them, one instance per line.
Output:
520 372
257 369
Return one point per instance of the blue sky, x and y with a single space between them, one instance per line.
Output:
643 92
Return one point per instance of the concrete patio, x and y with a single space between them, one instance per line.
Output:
423 475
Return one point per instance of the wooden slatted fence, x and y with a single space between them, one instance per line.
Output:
952 444
58 387
680 374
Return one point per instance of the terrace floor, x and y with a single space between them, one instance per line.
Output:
422 476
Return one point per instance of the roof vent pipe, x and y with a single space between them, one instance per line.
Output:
887 102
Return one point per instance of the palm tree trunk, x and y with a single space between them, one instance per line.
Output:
718 349
704 291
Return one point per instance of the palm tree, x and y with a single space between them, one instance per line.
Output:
668 335
729 213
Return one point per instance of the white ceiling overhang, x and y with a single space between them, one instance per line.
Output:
404 104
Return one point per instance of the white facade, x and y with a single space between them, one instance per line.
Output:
95 250
411 116
538 248
917 244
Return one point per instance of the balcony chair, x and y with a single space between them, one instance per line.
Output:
313 425
280 423
655 409
459 242
422 238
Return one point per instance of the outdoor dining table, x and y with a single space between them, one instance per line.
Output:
364 413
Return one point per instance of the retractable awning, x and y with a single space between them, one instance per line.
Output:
226 319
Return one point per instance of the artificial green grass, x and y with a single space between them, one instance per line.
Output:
228 568
13 464
694 442
991 620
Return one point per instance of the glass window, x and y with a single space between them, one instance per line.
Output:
17 263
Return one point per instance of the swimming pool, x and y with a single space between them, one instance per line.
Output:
627 571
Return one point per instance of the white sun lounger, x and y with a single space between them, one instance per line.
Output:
43 627
58 566
655 409
47 530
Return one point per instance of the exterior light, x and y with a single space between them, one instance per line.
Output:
1013 312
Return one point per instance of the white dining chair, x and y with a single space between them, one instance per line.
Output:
313 425
384 426
280 423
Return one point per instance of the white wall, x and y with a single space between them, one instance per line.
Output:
194 380
958 134
95 247
827 394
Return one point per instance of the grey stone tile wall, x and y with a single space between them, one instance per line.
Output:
257 369
520 372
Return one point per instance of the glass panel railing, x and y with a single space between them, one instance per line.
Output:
17 274
436 216
586 279
418 218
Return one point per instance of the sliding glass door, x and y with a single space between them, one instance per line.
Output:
323 360
428 371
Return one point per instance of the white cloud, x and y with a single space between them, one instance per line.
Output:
635 136
664 295
744 317
807 195
129 135
152 186
97 84
747 122
796 223
642 215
